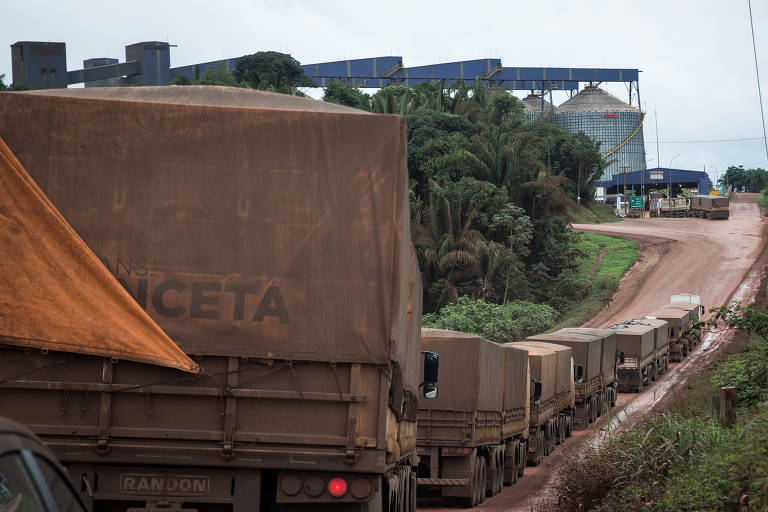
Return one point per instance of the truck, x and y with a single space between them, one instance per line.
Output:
552 406
710 207
671 207
636 341
678 321
610 358
472 438
695 312
595 392
660 344
268 237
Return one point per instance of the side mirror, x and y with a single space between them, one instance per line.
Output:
431 364
579 372
621 358
536 390
430 391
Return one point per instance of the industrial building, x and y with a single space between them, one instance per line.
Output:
642 182
617 125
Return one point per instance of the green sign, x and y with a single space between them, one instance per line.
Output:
636 202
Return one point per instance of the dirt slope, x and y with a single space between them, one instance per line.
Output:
714 259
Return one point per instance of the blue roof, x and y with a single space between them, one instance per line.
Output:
697 178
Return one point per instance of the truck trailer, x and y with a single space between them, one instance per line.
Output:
677 321
710 207
552 410
660 343
637 343
471 439
594 393
268 236
610 358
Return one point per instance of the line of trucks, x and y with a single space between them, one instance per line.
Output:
705 207
210 302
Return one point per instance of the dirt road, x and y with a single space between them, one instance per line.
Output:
713 259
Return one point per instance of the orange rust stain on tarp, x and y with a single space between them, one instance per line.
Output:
56 294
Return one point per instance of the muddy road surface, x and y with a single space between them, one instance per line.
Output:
714 259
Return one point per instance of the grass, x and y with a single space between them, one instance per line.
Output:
680 457
592 213
615 256
762 200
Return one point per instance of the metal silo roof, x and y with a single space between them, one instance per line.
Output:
532 103
594 99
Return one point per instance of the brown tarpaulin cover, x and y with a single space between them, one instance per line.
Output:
245 223
55 293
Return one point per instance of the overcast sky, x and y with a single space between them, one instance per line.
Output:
696 57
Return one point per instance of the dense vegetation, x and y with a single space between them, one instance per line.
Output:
681 457
744 180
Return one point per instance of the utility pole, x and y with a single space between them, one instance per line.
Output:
624 168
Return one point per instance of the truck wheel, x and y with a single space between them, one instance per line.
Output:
523 449
500 470
613 397
412 492
511 462
491 474
482 475
587 414
569 426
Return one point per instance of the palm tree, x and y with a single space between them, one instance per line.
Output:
446 244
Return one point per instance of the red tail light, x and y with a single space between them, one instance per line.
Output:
337 487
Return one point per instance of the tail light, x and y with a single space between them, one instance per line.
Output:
337 487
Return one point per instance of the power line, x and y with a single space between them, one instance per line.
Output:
757 73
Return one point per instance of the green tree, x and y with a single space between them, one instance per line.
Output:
343 94
744 180
218 75
3 87
272 71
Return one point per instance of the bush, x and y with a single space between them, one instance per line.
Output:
495 322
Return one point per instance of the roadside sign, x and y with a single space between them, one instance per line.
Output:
636 202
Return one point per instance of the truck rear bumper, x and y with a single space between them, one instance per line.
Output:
443 482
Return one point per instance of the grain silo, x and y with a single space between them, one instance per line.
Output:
617 125
536 106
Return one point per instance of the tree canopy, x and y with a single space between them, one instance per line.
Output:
488 191
272 71
744 180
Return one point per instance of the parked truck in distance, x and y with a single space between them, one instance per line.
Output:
710 207
472 438
637 343
551 410
595 351
268 236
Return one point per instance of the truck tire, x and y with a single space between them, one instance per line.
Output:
613 397
523 449
587 414
492 473
482 476
412 492
538 455
511 462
